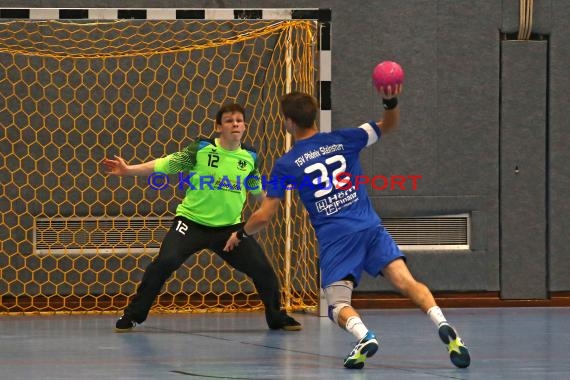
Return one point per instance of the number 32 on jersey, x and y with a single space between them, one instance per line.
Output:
323 179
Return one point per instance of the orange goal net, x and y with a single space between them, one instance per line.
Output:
72 93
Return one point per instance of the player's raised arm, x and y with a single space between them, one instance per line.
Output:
119 167
391 117
388 78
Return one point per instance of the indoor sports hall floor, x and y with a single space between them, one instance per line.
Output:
505 343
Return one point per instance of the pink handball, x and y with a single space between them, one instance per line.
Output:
387 73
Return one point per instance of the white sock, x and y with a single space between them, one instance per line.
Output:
355 326
436 315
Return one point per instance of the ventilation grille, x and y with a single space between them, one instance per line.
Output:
144 235
99 235
442 232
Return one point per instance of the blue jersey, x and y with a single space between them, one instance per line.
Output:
323 169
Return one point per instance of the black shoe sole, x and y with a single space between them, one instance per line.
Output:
369 351
128 329
292 328
460 359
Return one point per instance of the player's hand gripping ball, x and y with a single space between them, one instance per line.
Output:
387 74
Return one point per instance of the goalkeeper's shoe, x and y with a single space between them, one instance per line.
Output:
290 324
124 324
458 352
281 321
365 348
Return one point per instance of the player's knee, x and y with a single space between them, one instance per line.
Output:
334 310
338 296
401 284
420 287
410 286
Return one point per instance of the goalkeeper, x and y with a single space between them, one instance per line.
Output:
207 216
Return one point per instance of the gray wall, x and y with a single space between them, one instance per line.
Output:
559 152
451 123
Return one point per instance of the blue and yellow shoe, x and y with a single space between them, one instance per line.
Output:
365 348
458 352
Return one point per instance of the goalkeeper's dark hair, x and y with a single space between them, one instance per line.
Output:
233 107
301 108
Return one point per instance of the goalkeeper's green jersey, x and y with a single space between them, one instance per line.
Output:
216 181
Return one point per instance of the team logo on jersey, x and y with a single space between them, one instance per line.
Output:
242 164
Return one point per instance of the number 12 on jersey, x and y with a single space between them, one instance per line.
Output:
181 227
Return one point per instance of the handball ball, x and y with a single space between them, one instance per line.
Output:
387 73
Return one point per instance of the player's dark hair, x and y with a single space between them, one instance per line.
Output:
301 108
234 107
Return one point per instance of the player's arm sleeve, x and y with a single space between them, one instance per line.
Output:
361 137
254 184
373 132
182 161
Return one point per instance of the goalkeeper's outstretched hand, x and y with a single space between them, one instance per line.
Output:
118 166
